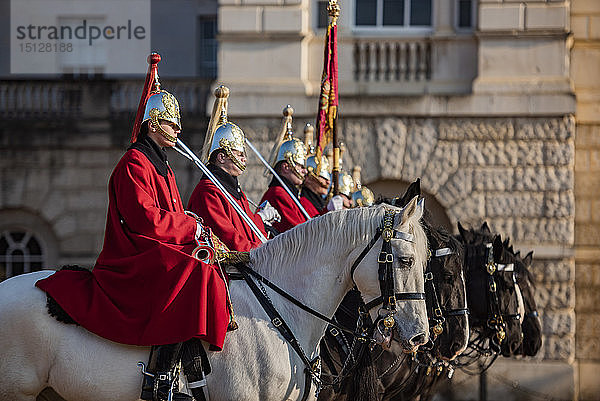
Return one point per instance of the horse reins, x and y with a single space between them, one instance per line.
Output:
388 295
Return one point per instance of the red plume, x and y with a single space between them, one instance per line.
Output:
151 85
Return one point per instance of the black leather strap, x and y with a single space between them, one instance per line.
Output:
280 324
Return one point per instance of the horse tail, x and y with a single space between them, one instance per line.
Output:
365 380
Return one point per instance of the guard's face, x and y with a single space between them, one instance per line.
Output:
229 165
169 128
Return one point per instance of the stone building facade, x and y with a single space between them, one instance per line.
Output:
585 74
492 103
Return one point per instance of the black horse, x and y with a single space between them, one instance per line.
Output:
351 366
493 297
531 325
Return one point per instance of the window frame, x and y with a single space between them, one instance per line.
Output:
23 220
457 17
27 258
381 30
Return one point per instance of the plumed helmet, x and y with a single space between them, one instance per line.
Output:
228 137
287 147
155 104
292 151
162 105
363 197
221 133
345 184
311 166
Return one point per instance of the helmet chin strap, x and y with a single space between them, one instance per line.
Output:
294 169
161 131
234 159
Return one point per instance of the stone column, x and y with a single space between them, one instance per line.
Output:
443 17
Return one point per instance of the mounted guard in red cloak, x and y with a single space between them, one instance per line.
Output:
145 288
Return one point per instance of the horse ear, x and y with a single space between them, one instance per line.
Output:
413 210
485 228
498 247
414 189
464 233
528 258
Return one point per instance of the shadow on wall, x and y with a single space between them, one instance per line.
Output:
392 188
49 395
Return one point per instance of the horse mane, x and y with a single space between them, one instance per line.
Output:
331 234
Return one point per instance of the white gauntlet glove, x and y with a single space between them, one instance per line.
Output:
268 213
336 203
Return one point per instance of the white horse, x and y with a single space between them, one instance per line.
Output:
311 262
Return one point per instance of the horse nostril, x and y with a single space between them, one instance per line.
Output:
419 339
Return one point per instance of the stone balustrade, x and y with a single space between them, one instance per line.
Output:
26 99
191 94
387 59
63 99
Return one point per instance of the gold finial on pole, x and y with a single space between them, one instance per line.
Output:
333 9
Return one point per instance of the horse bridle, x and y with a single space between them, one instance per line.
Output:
496 320
389 296
438 313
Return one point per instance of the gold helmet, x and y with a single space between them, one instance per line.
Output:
155 103
363 196
223 134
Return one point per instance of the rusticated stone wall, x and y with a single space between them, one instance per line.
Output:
516 173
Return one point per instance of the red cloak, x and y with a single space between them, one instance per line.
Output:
145 289
309 207
208 202
291 215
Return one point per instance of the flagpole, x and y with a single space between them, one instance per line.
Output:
333 9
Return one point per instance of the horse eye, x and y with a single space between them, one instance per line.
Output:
406 262
448 277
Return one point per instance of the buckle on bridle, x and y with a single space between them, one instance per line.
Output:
385 257
490 267
276 322
428 276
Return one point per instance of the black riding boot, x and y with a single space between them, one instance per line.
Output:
162 360
195 367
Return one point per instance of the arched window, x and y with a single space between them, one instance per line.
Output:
20 252
27 243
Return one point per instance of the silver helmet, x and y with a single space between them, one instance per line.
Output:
311 166
162 106
363 197
223 134
345 184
